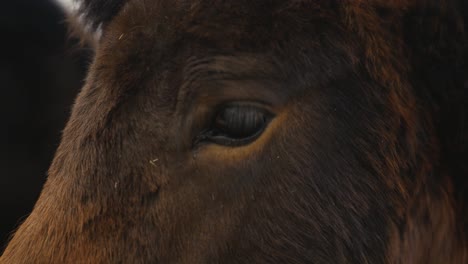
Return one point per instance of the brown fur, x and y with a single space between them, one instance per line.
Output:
356 167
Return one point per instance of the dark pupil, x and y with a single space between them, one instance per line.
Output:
239 121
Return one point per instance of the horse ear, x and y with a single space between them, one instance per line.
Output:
87 18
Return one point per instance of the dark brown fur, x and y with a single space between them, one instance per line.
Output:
364 162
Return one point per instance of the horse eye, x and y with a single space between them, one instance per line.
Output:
238 124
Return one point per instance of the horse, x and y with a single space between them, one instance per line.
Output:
268 131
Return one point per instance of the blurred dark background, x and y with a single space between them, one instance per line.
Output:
41 71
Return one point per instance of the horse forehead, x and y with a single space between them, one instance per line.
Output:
217 12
